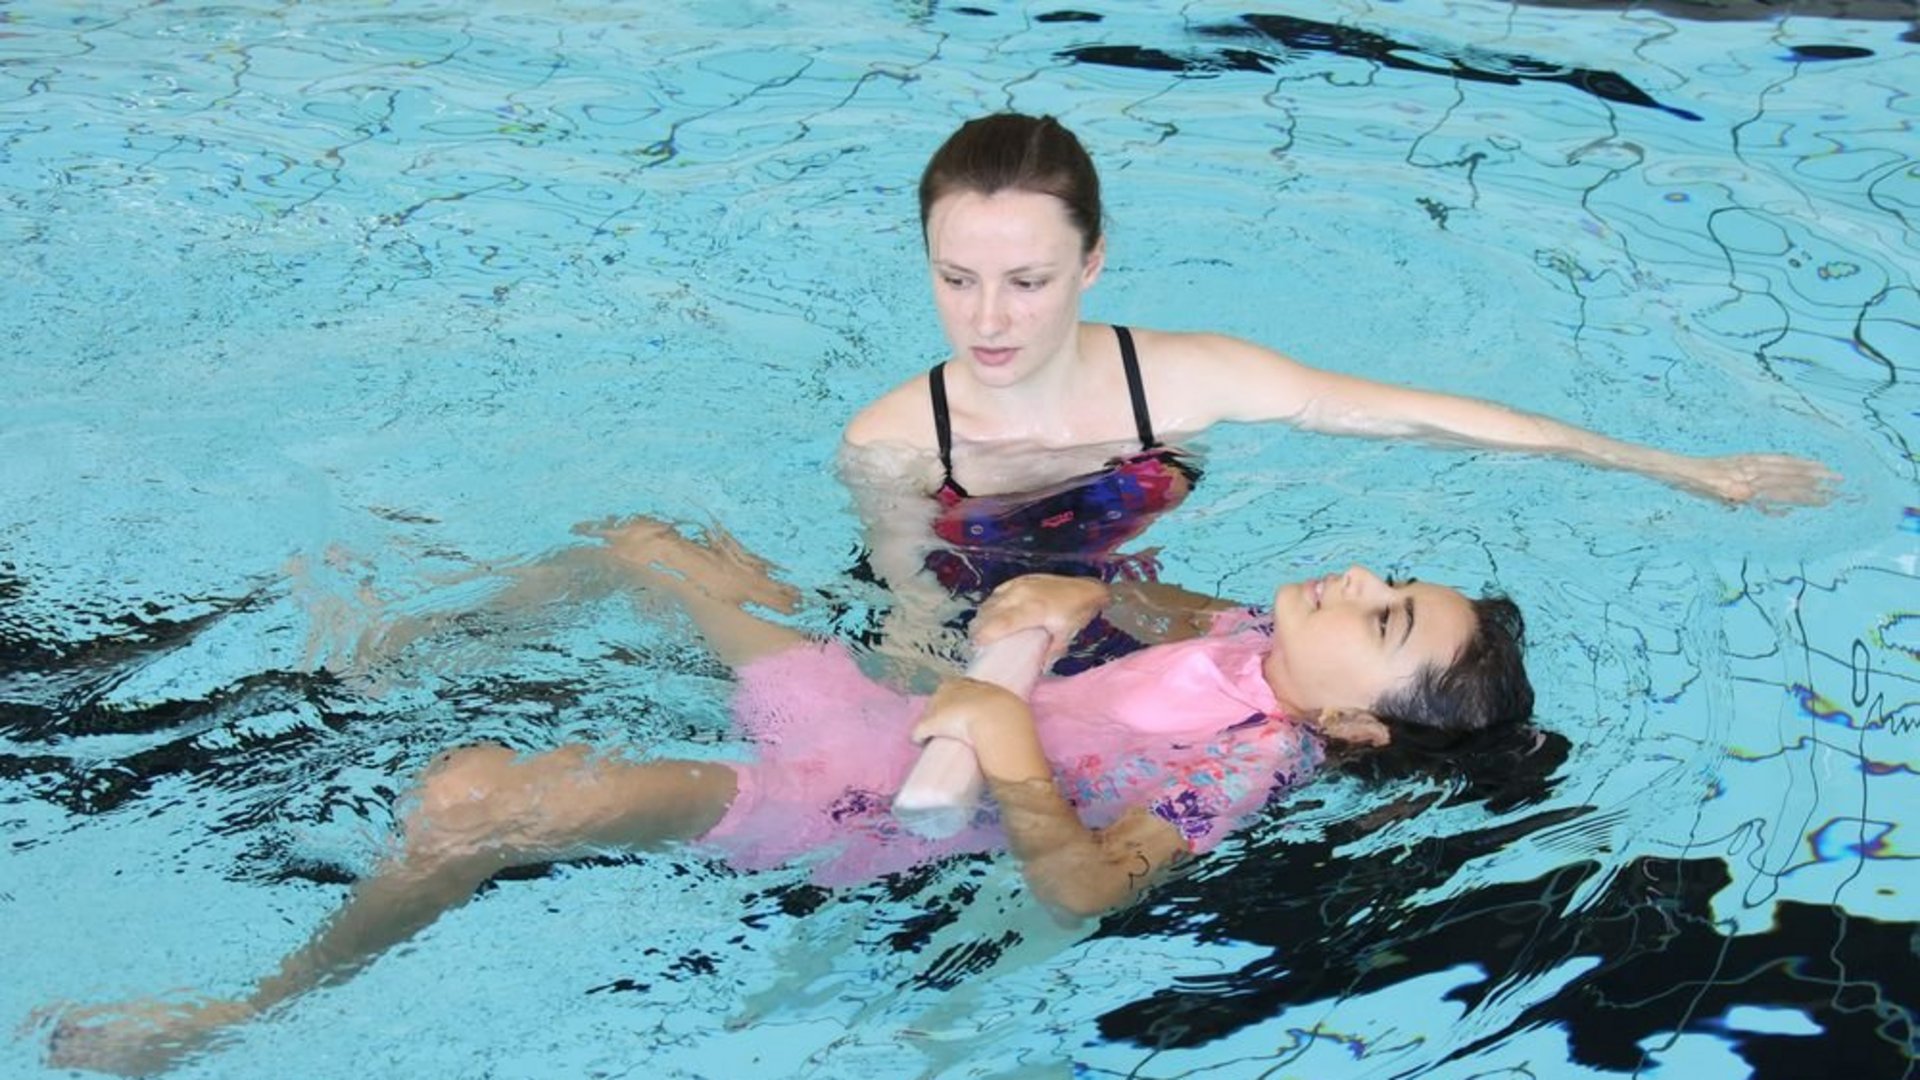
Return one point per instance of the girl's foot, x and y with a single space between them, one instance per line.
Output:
138 1038
715 566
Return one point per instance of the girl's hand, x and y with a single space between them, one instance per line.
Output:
1061 606
962 708
1769 482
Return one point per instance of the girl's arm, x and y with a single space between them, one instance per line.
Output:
1073 869
1226 379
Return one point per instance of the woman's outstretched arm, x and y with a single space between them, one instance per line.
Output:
1227 379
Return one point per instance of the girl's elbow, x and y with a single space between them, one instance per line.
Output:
1086 894
1077 903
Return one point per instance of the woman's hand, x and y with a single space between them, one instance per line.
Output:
1061 606
1768 482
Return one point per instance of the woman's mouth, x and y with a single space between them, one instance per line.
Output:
993 357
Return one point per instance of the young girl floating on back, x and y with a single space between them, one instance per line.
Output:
1100 785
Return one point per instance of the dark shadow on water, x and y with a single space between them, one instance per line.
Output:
1892 11
1747 10
1661 964
1269 43
1698 10
1657 961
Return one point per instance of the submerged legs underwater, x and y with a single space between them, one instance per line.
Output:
480 810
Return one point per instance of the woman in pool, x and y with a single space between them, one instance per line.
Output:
1014 436
1107 782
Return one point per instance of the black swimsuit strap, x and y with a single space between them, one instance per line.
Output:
1142 422
942 423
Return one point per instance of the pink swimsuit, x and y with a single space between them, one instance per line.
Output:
1189 731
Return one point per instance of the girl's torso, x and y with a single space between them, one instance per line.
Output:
1189 732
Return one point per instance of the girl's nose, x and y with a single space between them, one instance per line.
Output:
1362 581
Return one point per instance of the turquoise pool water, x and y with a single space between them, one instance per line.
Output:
314 310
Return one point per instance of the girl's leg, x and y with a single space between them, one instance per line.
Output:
712 580
477 811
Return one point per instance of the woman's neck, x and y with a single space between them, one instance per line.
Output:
1045 407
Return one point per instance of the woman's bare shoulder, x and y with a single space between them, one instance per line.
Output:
1197 379
901 415
1183 347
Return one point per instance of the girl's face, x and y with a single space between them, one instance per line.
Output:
1344 641
1007 277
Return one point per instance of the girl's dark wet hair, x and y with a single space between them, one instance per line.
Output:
1485 687
1014 152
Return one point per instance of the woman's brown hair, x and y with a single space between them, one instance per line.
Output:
1014 152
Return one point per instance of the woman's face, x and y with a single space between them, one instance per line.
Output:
1346 640
1008 272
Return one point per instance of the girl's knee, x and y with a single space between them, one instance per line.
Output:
472 785
464 773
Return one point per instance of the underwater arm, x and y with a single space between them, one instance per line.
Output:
1254 383
1148 611
896 514
896 517
888 463
1075 870
1155 612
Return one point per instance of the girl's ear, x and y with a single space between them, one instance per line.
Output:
1352 726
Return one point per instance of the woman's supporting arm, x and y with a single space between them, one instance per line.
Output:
1148 611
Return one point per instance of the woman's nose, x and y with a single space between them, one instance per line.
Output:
990 314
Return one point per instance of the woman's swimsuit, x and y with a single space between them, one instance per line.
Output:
1188 731
1072 528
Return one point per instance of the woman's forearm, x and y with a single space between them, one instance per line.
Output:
1769 481
1348 406
1239 381
1482 423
